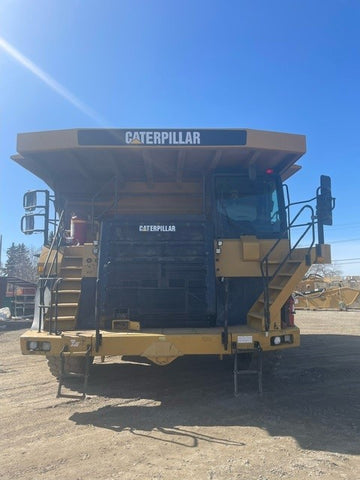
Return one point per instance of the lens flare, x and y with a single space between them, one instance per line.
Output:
50 82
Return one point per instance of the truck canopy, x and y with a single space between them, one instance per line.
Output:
85 159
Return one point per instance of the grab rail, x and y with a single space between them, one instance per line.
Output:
50 265
264 265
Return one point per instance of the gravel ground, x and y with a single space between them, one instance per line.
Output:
182 421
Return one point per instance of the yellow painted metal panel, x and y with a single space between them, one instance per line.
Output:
154 344
233 257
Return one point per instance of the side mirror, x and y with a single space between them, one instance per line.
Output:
36 203
28 224
30 201
324 201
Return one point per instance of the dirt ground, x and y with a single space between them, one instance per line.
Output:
183 422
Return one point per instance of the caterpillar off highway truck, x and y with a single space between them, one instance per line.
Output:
160 243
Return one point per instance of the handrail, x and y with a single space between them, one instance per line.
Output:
57 238
287 208
264 265
54 301
98 193
45 280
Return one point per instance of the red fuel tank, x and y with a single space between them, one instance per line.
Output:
78 230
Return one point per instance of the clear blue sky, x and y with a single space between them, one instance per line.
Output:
291 66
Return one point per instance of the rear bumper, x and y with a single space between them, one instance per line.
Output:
160 345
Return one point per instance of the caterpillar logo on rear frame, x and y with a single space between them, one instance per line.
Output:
157 228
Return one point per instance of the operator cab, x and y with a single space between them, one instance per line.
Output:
249 207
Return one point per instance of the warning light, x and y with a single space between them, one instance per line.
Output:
269 171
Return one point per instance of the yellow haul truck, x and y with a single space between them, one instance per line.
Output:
167 243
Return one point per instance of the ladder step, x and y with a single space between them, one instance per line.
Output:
258 370
68 305
75 354
74 282
65 318
70 272
68 296
72 251
275 287
258 316
64 375
69 291
261 300
285 274
72 261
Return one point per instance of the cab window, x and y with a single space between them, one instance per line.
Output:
248 207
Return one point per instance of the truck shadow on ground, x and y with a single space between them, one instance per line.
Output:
312 395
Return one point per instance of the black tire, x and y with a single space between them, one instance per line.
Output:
72 364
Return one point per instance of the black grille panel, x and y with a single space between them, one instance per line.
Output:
162 279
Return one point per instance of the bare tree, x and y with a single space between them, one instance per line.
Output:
324 270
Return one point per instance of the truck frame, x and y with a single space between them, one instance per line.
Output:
167 242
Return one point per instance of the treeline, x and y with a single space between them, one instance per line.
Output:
21 262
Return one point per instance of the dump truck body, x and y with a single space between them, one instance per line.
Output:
168 243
